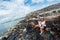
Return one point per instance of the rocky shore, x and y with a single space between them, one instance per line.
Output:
19 31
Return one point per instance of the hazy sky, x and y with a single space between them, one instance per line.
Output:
22 7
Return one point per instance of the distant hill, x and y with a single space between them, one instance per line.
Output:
51 7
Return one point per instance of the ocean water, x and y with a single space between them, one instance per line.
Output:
5 26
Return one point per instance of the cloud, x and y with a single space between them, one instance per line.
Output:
7 8
26 9
15 8
50 0
37 1
4 12
12 7
22 10
19 1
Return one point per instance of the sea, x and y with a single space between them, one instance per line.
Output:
5 26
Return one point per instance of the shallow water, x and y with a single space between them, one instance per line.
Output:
4 27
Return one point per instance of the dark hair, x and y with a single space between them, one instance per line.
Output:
49 24
54 29
35 22
4 38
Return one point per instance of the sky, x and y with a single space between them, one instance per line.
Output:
13 8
